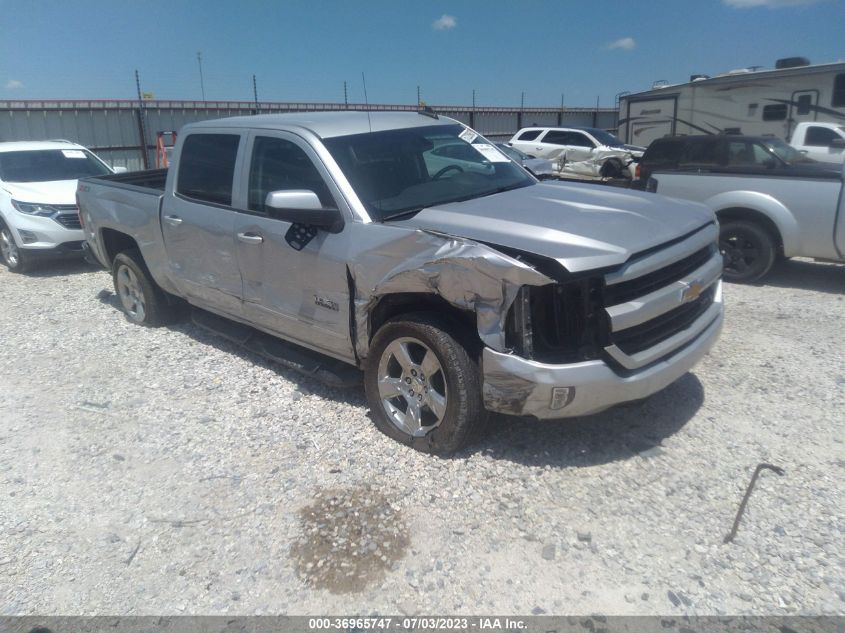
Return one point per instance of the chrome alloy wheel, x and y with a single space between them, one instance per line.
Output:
412 386
8 248
131 294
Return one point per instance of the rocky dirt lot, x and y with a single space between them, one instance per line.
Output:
166 472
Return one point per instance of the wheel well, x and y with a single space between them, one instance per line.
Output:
611 164
391 306
115 242
750 215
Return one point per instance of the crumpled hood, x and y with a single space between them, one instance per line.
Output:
52 192
583 227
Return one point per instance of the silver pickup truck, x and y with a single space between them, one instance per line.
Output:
797 211
335 242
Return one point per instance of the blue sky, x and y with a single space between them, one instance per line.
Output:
304 50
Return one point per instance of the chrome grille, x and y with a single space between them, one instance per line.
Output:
664 299
641 337
69 220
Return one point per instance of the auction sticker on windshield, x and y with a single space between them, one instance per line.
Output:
73 153
468 135
491 153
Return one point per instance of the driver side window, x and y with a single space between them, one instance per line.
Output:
279 165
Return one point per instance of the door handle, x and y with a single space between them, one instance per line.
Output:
173 220
250 238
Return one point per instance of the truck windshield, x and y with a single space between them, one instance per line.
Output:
49 164
785 152
397 172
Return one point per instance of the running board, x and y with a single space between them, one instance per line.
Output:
327 370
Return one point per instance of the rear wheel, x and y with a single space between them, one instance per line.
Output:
141 300
14 258
423 385
748 250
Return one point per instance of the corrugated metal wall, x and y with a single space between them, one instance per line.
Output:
113 128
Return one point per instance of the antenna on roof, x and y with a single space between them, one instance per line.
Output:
366 100
427 110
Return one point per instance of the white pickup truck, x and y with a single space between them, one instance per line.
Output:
766 212
820 141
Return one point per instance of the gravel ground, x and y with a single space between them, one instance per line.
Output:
165 471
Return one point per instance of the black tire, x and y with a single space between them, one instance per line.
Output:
464 408
748 249
611 169
16 259
155 308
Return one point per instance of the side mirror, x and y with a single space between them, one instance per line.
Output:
302 206
119 170
837 143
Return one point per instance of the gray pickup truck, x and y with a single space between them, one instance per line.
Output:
767 207
335 242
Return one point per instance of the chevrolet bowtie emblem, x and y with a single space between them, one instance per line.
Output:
692 292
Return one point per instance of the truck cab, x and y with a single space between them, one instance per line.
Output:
823 142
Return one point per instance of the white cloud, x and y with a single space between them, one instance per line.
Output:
625 43
14 84
444 22
770 4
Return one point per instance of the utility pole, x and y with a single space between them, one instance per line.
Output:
560 114
202 85
419 100
345 96
142 128
521 108
472 112
255 91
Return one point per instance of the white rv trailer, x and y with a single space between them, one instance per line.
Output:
765 102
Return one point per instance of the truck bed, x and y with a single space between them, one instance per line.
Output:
146 179
127 203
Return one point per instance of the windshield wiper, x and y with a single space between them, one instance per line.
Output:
518 185
400 214
473 196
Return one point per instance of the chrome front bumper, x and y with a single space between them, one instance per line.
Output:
516 386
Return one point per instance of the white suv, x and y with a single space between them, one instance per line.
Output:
587 151
38 213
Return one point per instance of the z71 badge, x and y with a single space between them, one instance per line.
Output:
326 303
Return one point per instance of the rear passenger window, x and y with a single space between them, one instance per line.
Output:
702 153
207 167
280 165
556 137
530 135
774 112
662 152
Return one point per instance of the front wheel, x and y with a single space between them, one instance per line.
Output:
748 250
611 169
141 300
423 386
14 258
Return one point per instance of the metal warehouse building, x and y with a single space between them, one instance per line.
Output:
124 132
